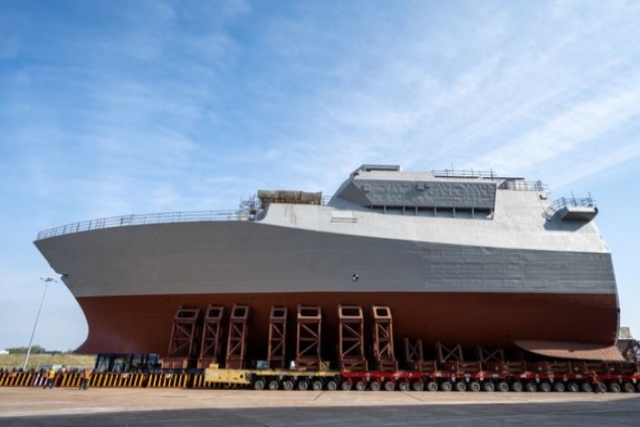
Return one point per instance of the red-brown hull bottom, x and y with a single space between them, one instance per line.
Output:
142 324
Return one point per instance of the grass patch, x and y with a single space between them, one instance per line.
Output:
67 359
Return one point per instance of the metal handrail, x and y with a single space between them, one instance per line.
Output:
142 219
464 173
563 202
575 202
522 185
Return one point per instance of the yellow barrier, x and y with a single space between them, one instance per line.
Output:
104 380
16 379
168 380
70 380
198 381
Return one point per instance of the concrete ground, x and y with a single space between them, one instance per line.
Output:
156 407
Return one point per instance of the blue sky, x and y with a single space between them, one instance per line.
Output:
109 108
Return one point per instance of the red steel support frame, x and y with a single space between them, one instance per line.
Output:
211 336
351 338
414 357
183 341
308 345
445 354
276 357
237 338
383 339
489 356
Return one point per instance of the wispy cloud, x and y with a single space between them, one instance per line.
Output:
571 130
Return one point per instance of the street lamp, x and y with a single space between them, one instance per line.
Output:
46 280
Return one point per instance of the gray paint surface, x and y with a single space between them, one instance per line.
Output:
424 194
224 257
311 248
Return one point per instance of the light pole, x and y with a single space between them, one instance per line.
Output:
46 280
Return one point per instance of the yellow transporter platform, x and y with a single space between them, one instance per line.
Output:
272 378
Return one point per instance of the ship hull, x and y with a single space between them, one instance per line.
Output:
130 281
142 324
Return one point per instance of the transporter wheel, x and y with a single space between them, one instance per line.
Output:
346 385
475 386
332 385
573 387
404 386
417 386
389 386
559 386
259 384
517 386
638 387
316 385
600 387
374 386
489 386
586 387
531 386
303 385
545 386
446 386
362 386
461 386
287 385
503 386
614 387
274 385
432 386
628 388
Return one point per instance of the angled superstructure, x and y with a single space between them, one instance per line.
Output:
470 258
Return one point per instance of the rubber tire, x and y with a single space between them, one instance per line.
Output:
332 385
303 385
559 387
259 384
346 386
287 385
446 386
475 386
432 386
531 387
489 386
374 386
361 386
615 387
503 386
545 386
517 386
404 386
389 386
417 386
573 387
461 386
628 388
586 387
273 385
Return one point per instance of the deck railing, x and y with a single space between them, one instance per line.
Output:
142 219
575 202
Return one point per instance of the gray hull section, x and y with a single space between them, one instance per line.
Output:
246 257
